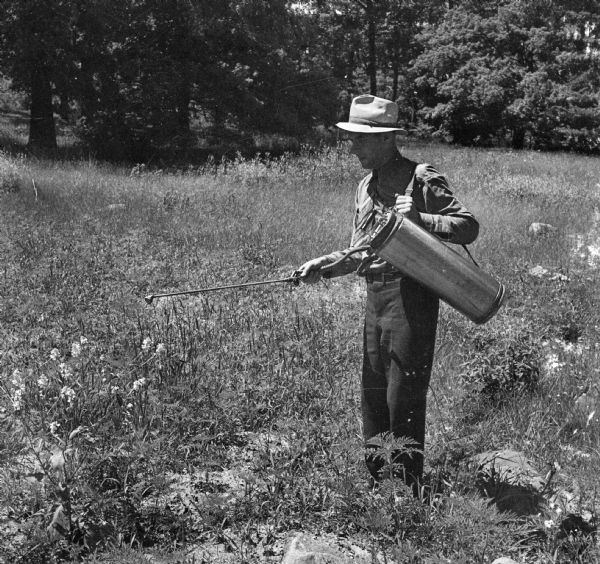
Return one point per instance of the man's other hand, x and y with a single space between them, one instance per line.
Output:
406 206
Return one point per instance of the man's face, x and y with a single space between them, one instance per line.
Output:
372 149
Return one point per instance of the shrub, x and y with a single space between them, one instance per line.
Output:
502 362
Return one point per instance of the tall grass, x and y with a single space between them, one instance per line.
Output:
119 418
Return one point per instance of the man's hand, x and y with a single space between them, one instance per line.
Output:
406 206
309 271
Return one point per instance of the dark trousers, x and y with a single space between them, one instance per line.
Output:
399 341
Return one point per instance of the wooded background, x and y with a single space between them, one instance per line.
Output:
139 78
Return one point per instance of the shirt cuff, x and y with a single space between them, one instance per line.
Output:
434 224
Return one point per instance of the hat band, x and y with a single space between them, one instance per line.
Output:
361 121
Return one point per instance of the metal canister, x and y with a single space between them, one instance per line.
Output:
425 258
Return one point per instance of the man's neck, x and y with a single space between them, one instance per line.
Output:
396 170
388 165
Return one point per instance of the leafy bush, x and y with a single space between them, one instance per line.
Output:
502 362
476 89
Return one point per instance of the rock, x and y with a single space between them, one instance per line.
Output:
510 480
538 271
115 207
504 560
577 525
541 229
304 549
541 272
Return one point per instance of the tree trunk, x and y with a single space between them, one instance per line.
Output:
371 35
395 64
42 131
518 138
183 100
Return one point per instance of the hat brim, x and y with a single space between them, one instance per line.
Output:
361 128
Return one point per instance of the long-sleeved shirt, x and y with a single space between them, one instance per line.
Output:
439 211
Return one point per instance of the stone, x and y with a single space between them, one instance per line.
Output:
504 560
510 479
539 271
115 207
305 549
541 229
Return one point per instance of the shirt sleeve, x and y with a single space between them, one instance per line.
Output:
352 262
443 214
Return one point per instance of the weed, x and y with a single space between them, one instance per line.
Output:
11 175
503 363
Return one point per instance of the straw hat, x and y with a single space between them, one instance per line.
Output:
370 114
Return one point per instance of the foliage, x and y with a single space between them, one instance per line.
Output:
516 74
34 51
136 78
138 72
503 363
146 80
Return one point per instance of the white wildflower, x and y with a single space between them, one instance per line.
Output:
552 363
43 381
129 406
160 348
68 393
54 427
83 340
17 399
114 389
75 350
54 354
548 523
65 370
146 344
17 379
139 384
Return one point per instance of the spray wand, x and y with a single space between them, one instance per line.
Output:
293 279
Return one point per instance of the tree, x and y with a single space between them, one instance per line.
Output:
522 73
370 44
399 28
245 65
267 71
34 50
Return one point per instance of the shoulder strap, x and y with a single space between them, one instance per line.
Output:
470 255
409 188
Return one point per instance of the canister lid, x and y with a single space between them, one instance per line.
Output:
385 230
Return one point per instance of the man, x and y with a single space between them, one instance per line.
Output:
401 315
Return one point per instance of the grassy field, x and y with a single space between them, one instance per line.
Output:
209 429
